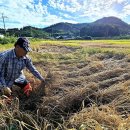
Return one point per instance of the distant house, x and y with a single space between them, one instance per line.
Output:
78 38
65 37
59 37
1 36
87 38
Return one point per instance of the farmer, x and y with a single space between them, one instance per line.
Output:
12 63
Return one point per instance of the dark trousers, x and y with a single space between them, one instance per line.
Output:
21 85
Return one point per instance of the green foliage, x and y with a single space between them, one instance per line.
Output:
90 51
124 37
7 39
106 28
100 30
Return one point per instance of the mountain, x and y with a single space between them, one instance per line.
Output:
112 21
105 27
115 22
64 28
27 31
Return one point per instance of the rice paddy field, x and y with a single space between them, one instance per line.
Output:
87 88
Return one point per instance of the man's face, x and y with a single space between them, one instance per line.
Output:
20 52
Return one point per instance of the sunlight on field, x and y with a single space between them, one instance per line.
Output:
77 42
87 87
74 43
6 46
119 42
53 42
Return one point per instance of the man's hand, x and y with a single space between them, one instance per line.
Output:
27 89
6 91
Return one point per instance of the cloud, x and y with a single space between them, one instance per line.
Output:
127 9
70 6
23 12
33 12
92 9
29 12
121 1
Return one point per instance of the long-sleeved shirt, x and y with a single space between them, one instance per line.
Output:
11 67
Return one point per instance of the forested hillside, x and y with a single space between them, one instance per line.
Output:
105 27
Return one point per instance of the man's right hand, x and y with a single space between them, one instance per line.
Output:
6 91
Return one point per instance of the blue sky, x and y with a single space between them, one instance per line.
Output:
42 13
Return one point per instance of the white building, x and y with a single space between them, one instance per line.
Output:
1 36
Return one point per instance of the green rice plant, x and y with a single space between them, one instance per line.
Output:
90 51
5 47
54 42
44 57
112 42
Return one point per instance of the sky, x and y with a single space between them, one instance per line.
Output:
43 13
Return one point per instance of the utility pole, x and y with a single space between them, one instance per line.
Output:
51 31
3 18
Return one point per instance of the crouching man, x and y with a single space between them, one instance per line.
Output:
12 62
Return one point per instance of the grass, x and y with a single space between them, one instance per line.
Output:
6 46
76 43
119 42
80 54
88 88
55 42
